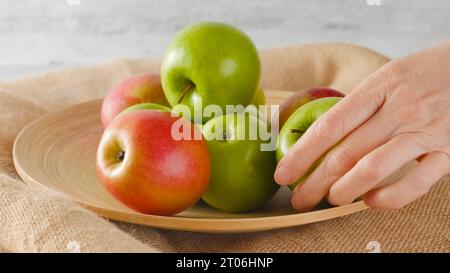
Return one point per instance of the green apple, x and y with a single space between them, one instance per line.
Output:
145 106
212 61
297 124
255 109
259 98
241 174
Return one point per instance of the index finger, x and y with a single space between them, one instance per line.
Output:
352 111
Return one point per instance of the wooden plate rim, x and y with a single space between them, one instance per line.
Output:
207 225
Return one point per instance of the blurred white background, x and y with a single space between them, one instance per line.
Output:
37 35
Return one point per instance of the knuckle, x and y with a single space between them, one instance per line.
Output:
328 127
394 71
371 168
391 75
336 199
422 139
419 111
340 160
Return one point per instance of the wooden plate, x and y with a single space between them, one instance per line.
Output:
58 151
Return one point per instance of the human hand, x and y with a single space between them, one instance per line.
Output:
398 114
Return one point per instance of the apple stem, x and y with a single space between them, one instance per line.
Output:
185 91
297 131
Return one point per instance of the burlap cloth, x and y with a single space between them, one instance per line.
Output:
41 220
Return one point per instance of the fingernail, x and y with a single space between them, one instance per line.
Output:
282 175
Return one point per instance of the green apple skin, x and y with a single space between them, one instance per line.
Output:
241 174
145 106
259 98
213 61
300 121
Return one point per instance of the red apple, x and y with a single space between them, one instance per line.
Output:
138 89
144 167
302 97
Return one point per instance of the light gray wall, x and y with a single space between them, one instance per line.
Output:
36 35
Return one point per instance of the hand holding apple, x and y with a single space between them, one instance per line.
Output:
297 124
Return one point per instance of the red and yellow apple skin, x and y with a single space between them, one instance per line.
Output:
302 97
135 90
145 168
